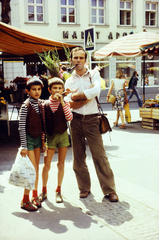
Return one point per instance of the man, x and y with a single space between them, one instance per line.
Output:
84 86
133 90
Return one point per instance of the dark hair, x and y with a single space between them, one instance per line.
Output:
36 72
55 80
43 72
134 73
34 81
78 49
64 68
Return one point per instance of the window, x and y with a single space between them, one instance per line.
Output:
97 11
150 14
68 11
35 10
125 13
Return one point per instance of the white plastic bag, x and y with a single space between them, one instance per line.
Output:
23 173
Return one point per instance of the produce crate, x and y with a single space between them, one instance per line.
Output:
155 113
145 112
150 123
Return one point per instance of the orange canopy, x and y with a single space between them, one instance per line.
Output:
21 43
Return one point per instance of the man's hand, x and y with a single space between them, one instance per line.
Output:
78 96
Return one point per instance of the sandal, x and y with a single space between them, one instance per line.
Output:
35 201
42 196
123 126
115 123
28 206
58 197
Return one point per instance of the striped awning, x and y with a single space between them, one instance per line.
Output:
127 46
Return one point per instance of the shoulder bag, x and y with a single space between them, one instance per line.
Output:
104 125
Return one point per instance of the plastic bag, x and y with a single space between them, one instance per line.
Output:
127 113
23 173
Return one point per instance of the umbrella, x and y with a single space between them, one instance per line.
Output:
127 46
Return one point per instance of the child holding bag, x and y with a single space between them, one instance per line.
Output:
30 130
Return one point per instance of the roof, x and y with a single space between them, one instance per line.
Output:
21 43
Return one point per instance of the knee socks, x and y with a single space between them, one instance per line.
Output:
58 189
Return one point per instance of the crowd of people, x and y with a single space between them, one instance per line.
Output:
43 127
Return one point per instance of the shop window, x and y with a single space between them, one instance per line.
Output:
35 9
126 13
68 11
150 14
151 70
98 12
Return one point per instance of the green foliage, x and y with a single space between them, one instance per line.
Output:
102 66
67 53
51 61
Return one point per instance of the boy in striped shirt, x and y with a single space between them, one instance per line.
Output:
31 131
55 114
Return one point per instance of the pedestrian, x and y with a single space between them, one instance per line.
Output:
85 124
133 89
30 130
56 113
65 74
118 84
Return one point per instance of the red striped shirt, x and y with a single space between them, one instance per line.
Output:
54 104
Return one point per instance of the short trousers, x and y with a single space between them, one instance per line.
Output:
57 140
33 142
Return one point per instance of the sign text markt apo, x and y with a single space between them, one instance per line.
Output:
66 35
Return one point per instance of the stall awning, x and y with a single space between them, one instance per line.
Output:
151 48
21 43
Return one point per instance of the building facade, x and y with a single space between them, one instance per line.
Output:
66 20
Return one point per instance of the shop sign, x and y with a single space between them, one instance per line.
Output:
110 35
89 39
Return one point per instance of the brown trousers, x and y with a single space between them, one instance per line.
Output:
89 128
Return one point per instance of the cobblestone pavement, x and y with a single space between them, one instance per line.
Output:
134 157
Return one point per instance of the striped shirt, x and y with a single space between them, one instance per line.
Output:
54 104
23 117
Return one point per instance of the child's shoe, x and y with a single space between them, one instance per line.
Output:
28 206
58 197
42 196
36 202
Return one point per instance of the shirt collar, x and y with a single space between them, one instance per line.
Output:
32 100
75 74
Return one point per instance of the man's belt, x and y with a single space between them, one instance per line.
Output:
84 116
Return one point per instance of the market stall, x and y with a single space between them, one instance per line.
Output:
150 114
150 111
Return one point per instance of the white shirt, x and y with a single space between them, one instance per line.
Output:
118 84
83 84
